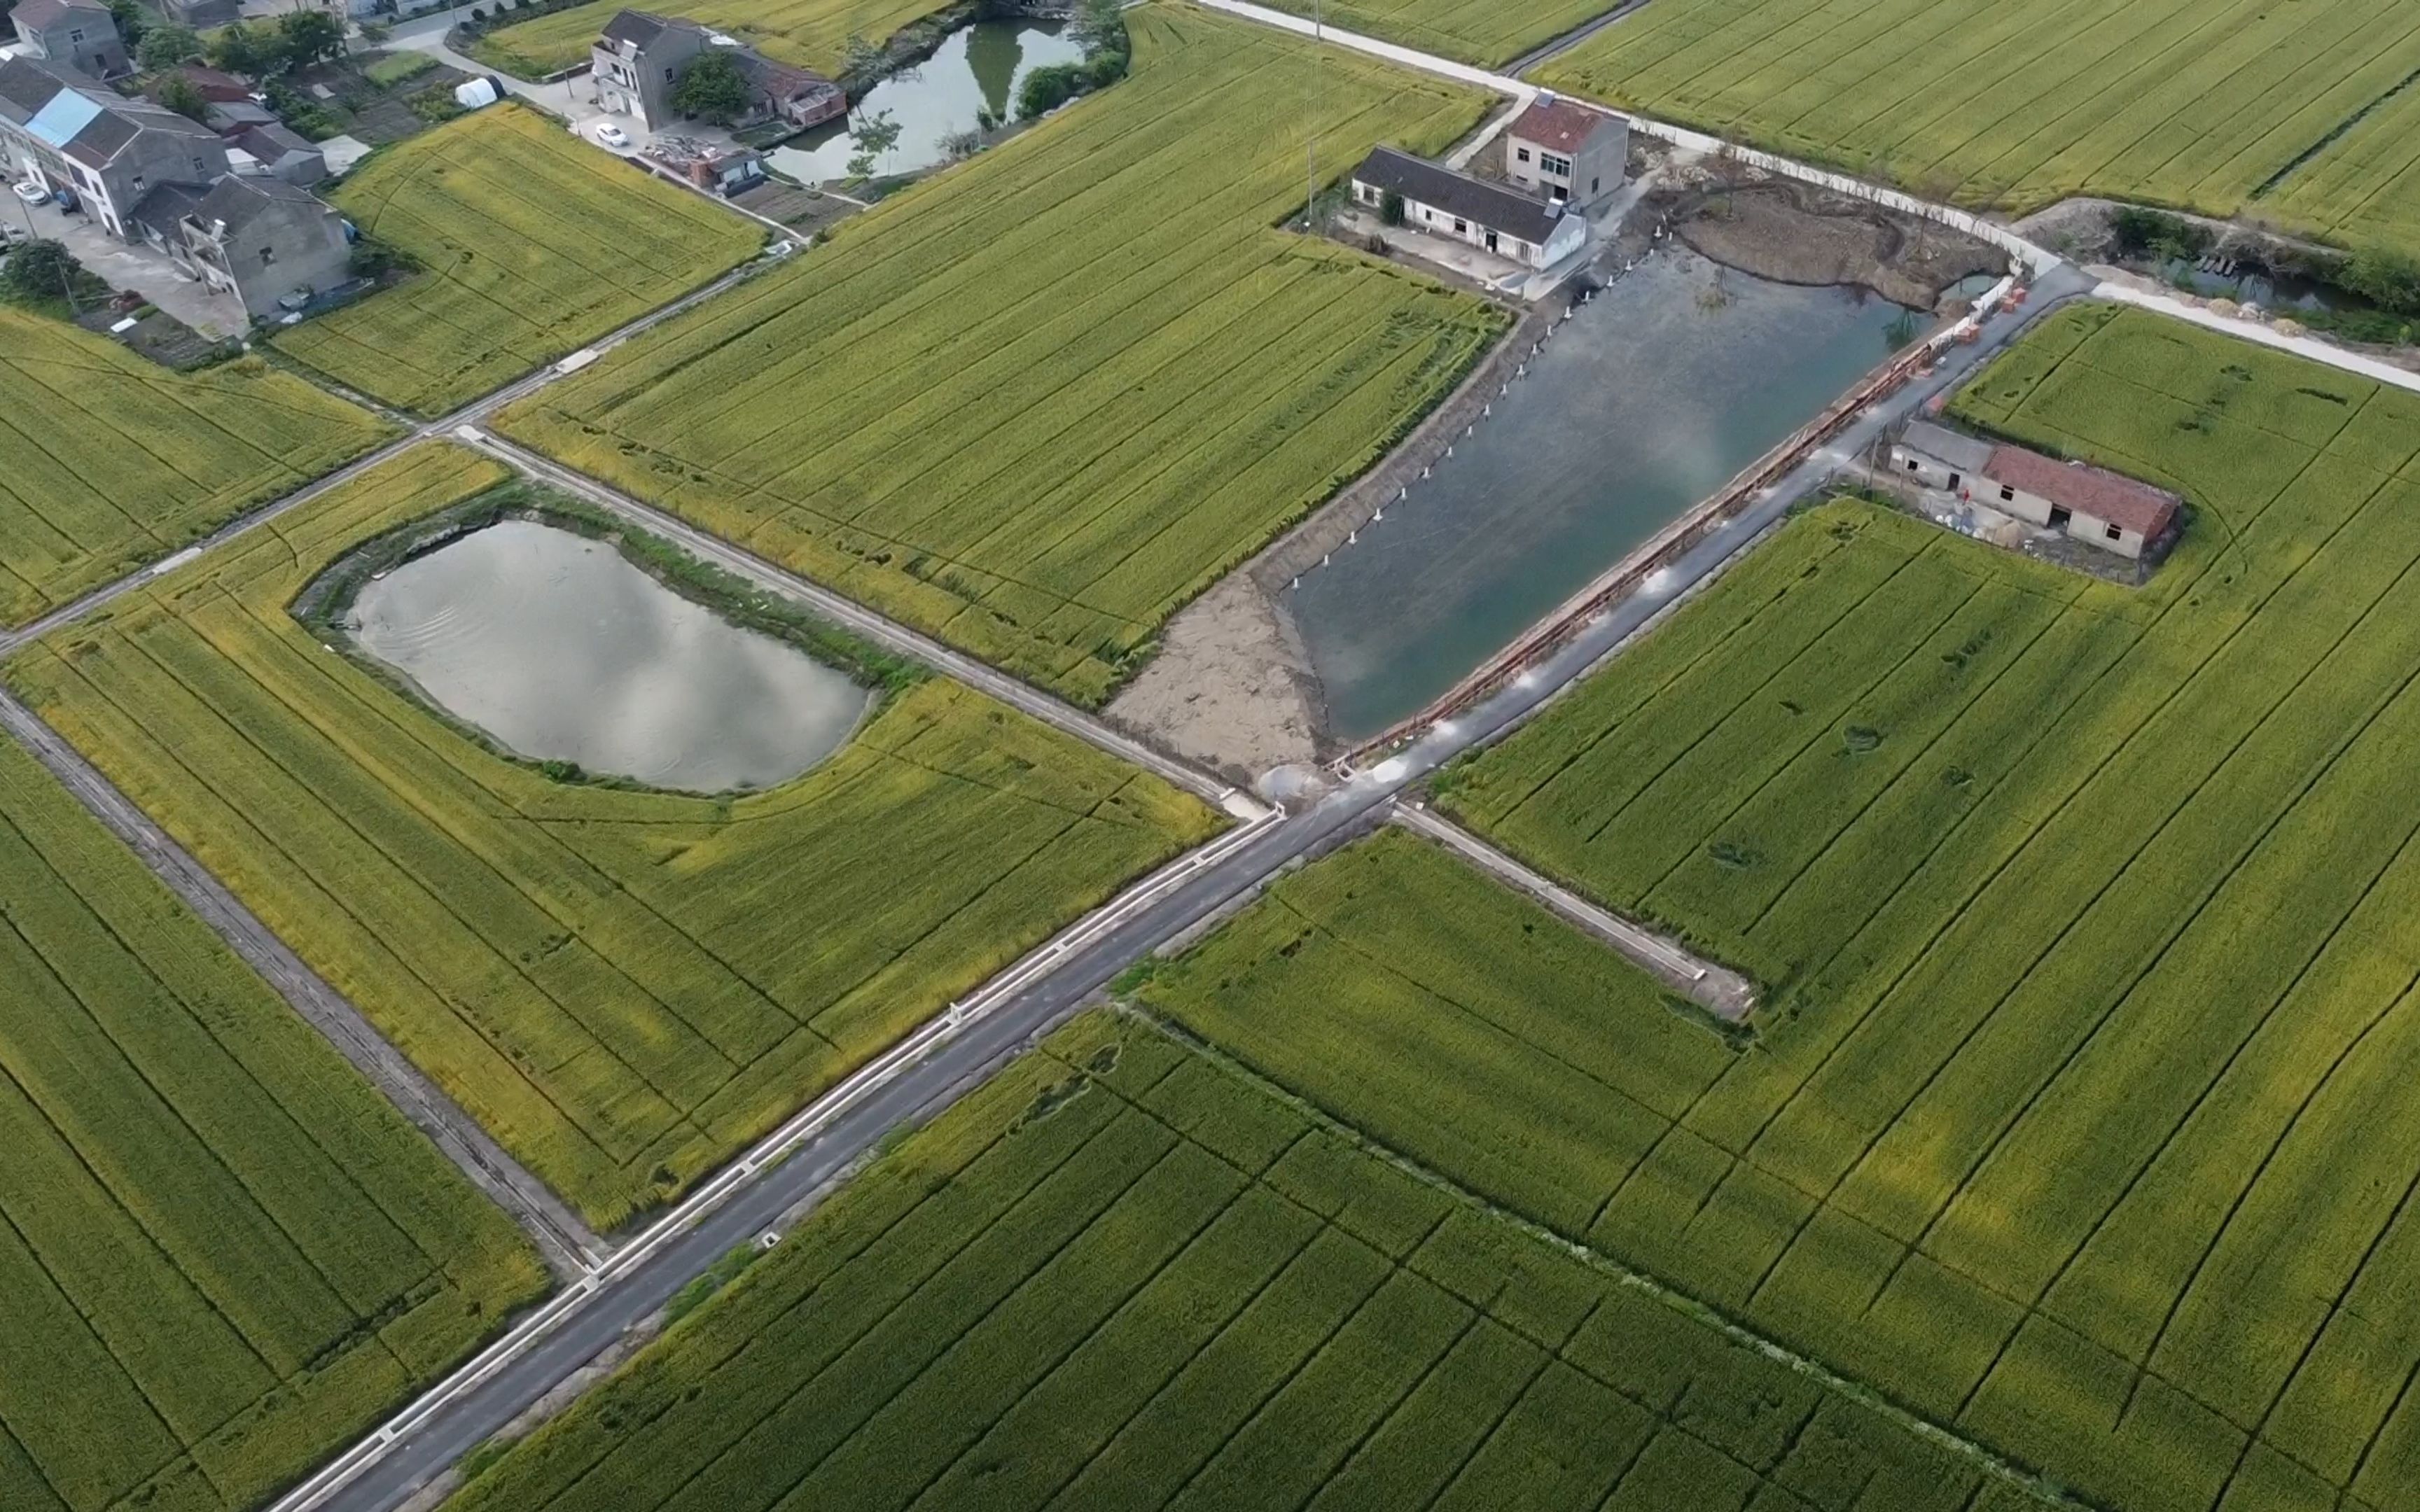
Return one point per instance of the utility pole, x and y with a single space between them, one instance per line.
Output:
1310 149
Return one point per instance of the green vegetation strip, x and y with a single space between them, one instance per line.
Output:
1034 404
624 986
530 243
2088 918
108 461
1122 1275
223 1254
809 33
2304 112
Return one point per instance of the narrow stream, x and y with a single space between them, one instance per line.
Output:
1648 400
978 68
560 650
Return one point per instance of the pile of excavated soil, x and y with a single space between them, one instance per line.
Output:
1231 686
1791 233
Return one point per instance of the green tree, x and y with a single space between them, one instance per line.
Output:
2389 280
309 36
875 136
41 270
166 45
132 24
182 95
860 61
1390 208
240 49
711 88
1099 27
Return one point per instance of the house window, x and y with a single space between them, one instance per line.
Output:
1554 165
76 36
2007 492
1461 227
139 183
268 255
1521 153
198 171
1594 185
2112 533
1910 465
668 76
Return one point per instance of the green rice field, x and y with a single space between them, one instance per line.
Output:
1120 1275
1034 404
1490 33
531 243
2306 114
623 985
223 1254
109 461
808 32
2087 920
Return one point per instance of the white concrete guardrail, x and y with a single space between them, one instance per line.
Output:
766 1152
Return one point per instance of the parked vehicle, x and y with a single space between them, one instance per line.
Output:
613 137
31 193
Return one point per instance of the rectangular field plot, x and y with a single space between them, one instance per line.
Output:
1036 403
1121 1276
809 33
2089 918
223 1254
1489 33
531 243
109 461
2218 108
624 985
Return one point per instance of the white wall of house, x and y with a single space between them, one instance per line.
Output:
1568 237
1982 488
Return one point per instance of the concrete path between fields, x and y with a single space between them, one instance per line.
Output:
2309 348
570 1249
1718 990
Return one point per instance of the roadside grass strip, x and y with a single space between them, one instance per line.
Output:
1036 403
1123 1275
531 243
809 33
2304 113
222 1254
108 461
1489 33
623 985
2089 924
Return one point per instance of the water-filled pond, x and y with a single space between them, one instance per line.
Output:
560 650
1648 400
977 67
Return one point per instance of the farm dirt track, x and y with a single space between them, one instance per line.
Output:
2087 916
1036 402
531 243
1121 1276
223 1254
623 986
108 461
2307 114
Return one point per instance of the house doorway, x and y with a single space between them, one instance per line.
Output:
1491 241
2059 515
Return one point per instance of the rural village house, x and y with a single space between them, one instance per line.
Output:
2106 509
260 238
1565 152
1438 200
111 151
70 34
637 62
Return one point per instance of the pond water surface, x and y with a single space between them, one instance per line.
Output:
977 67
562 650
1648 400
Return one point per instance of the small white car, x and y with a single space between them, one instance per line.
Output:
612 135
31 193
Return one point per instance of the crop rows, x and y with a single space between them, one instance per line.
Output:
2086 920
1490 33
1122 1275
221 1253
1032 405
623 985
108 461
2305 112
530 242
808 32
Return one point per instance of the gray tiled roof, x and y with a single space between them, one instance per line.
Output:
1504 209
